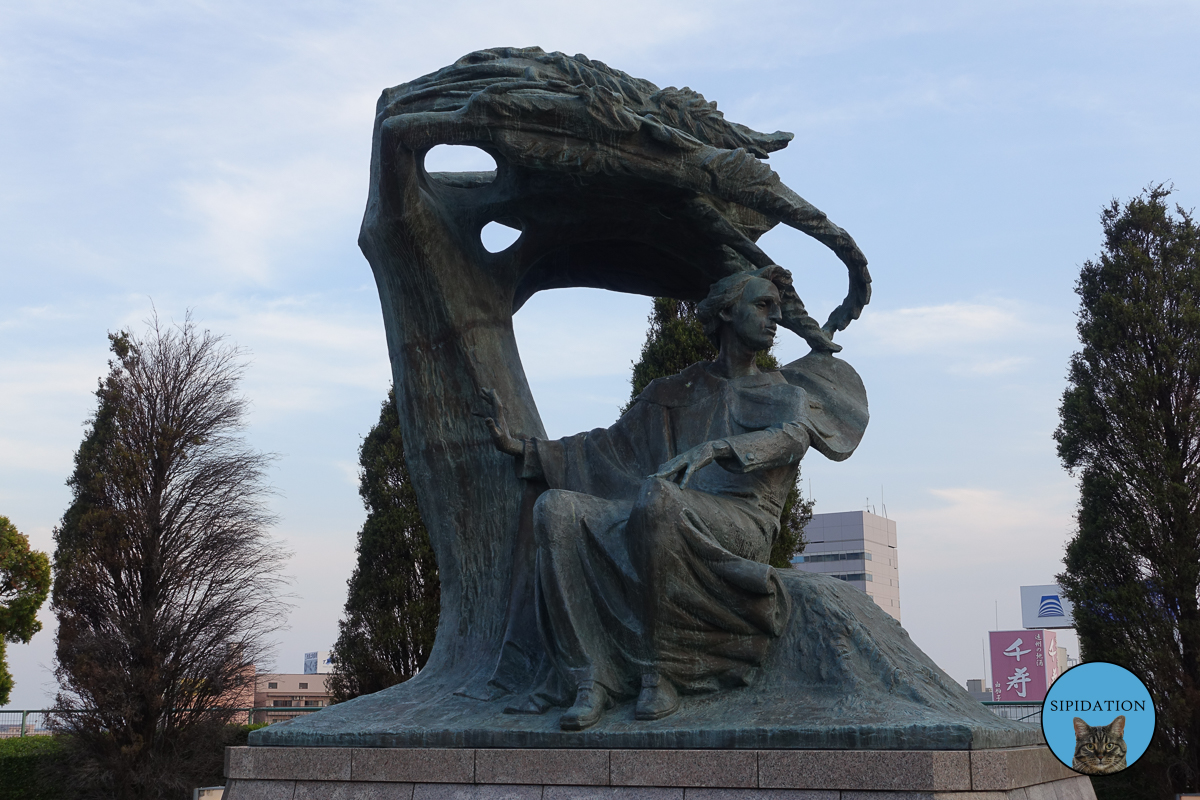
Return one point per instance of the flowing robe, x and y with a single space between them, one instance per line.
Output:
636 575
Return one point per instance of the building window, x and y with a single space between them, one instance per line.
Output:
304 686
312 703
282 704
818 558
854 576
272 685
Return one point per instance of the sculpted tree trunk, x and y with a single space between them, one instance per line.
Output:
448 317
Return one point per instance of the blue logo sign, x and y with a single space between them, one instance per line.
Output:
1051 606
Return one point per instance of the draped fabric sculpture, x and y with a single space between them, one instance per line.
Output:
652 540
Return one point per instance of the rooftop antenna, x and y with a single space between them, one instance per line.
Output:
881 501
983 655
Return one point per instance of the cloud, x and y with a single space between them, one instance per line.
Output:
573 333
249 217
924 328
906 94
306 352
973 527
349 470
36 399
972 339
999 366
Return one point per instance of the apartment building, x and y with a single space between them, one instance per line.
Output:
280 694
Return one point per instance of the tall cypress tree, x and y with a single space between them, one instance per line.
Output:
393 602
1130 431
164 577
675 341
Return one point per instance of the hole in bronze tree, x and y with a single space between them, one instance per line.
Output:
498 237
455 162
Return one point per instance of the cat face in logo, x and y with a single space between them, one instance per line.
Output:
1099 750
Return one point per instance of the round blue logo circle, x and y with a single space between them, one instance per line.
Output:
1098 718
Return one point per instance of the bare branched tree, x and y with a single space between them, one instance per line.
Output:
166 584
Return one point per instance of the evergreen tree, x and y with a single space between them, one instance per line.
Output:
1130 431
675 341
24 585
164 579
393 602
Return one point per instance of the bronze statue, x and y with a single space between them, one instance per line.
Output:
623 566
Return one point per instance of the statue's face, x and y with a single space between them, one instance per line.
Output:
756 314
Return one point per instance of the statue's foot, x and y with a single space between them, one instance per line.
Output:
591 702
657 699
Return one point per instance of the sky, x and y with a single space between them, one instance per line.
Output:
212 157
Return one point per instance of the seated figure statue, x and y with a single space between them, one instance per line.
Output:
652 540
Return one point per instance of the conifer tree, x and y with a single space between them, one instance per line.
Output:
675 341
1130 431
165 582
392 607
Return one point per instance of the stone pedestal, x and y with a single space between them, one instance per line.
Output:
376 773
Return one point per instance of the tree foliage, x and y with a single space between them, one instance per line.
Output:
674 341
1130 431
165 583
24 584
391 612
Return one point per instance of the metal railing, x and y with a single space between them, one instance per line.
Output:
1021 712
32 722
23 723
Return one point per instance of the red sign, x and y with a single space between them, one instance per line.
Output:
1024 664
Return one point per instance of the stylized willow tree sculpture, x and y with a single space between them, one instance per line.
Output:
615 184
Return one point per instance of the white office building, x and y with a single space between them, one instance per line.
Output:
857 547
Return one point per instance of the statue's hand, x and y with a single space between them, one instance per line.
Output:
505 442
687 464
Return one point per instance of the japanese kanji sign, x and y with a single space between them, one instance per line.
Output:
1024 664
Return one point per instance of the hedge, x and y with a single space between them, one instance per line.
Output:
28 768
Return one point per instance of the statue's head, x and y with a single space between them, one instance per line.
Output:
733 300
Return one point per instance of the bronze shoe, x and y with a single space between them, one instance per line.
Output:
657 699
591 702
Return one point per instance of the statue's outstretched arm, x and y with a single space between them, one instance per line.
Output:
746 452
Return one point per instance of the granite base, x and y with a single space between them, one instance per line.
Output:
332 773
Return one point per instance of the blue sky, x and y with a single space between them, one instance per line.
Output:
213 156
